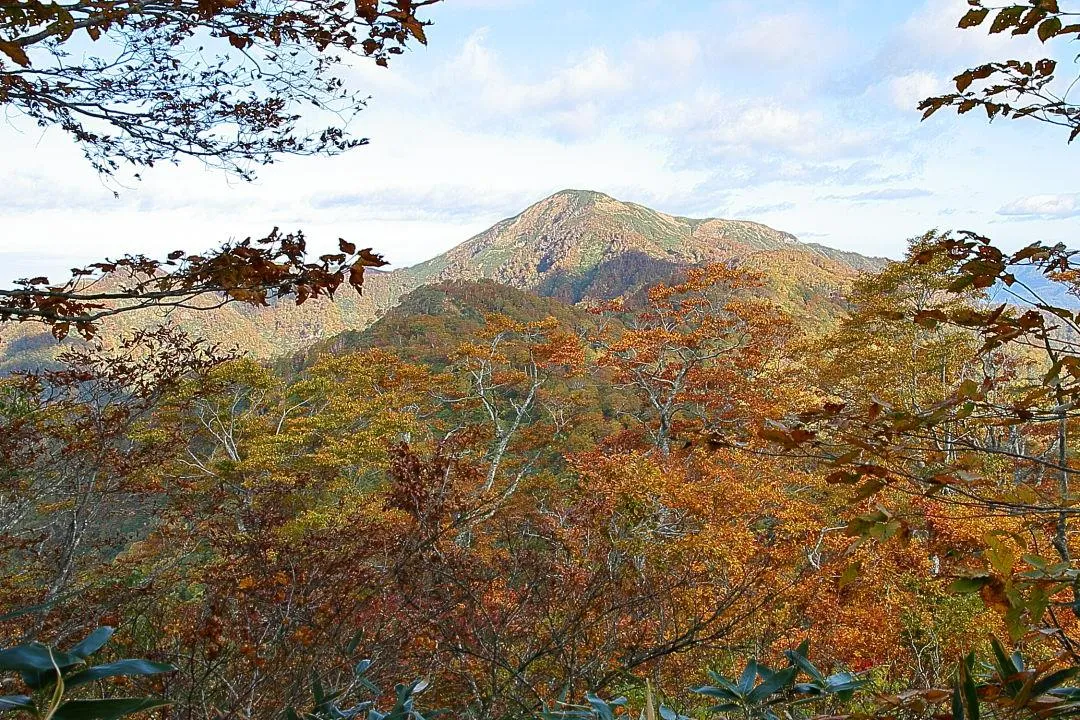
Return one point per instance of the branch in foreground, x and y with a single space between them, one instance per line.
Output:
250 271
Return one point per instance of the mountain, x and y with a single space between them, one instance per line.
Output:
575 246
580 245
431 320
261 331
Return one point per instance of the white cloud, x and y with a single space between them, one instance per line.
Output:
477 74
883 194
1044 206
722 111
931 35
718 124
907 91
792 39
666 57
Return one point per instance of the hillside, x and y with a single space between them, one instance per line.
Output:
432 319
262 332
581 245
576 246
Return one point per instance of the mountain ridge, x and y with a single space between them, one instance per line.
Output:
573 231
575 245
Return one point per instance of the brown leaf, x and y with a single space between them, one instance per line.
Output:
973 17
930 318
1006 18
1045 66
15 52
356 275
371 259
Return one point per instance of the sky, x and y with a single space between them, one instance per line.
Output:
799 114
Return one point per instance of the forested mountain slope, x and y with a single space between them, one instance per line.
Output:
579 245
576 246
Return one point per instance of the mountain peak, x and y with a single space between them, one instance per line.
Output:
579 244
580 195
568 199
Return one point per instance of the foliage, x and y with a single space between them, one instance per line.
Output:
1007 686
425 507
991 431
694 349
326 704
226 81
252 272
1016 88
50 675
523 503
74 479
760 692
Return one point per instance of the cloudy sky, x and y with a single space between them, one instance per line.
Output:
798 114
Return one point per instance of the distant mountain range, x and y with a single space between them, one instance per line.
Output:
575 246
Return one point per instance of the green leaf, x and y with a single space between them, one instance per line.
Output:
16 702
120 668
746 680
1018 660
971 693
92 643
668 714
1049 28
884 531
1038 602
724 683
717 692
1069 693
34 657
798 658
774 682
967 585
602 708
1005 666
106 709
1051 681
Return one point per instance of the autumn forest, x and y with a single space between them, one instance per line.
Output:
598 461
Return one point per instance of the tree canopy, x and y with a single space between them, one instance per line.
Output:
1012 88
234 83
